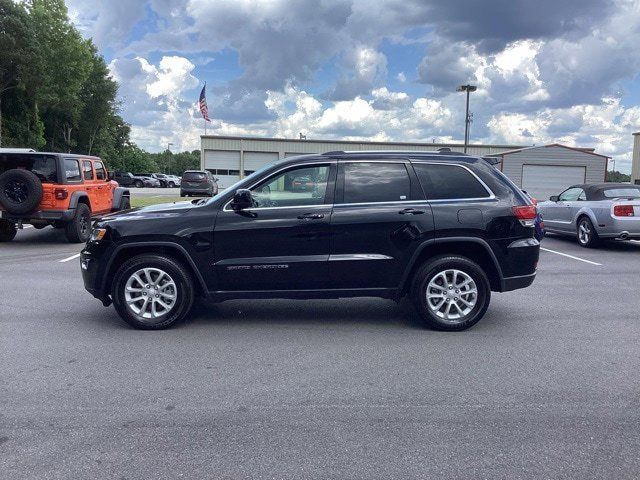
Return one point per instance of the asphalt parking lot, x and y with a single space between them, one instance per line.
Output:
545 386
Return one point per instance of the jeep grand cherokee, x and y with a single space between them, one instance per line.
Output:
445 229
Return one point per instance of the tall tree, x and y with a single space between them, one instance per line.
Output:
16 45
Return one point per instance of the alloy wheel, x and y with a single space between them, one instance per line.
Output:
584 232
452 295
150 293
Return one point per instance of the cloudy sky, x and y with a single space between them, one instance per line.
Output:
547 70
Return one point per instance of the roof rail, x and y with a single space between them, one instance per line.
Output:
335 152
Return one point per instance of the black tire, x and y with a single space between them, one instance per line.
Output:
432 270
20 191
138 184
184 291
78 230
182 194
172 185
125 203
587 238
39 226
8 231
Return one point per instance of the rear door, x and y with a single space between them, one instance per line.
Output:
379 218
104 189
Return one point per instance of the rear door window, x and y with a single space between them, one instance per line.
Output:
448 182
72 170
87 169
375 182
101 173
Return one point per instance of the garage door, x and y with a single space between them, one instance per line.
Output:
542 181
224 164
256 160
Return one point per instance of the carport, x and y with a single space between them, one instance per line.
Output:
549 169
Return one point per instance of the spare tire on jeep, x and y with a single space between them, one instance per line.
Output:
20 191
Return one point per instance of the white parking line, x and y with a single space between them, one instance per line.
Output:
68 259
571 256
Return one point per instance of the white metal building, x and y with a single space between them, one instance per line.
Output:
549 169
226 157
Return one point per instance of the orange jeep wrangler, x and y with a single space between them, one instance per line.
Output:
58 189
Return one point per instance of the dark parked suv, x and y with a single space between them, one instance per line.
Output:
444 229
199 183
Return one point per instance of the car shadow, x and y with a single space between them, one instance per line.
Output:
605 245
363 311
39 236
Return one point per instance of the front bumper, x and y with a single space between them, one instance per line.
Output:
92 267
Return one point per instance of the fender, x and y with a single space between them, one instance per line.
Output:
434 241
118 193
75 198
584 211
169 245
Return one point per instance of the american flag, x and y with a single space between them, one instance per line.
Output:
204 110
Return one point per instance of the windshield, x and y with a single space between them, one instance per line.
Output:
43 166
622 192
248 180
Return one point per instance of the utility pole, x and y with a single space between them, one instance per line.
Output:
467 118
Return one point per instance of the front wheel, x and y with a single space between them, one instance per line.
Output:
152 292
451 293
172 185
137 184
78 230
8 231
587 235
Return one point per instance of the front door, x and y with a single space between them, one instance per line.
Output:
379 217
283 242
559 216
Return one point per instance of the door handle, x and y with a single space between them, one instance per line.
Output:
411 211
311 216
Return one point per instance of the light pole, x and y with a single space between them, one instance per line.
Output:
467 119
169 145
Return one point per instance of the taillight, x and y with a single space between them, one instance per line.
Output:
623 210
61 193
526 214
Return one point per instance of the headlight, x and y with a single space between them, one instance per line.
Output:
97 234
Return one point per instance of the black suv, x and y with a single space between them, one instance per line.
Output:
445 229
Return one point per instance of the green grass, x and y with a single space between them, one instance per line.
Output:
146 201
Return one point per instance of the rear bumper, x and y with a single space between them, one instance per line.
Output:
40 216
621 227
514 283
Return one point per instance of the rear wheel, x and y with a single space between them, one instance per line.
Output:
78 230
587 235
137 184
125 203
451 293
8 231
172 185
152 292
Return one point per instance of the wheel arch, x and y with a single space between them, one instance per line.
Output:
475 249
79 197
586 212
129 250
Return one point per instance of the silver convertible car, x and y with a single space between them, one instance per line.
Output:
593 212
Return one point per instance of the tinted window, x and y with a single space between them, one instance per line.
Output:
571 195
44 167
622 192
101 173
376 182
72 170
282 191
441 182
194 176
87 169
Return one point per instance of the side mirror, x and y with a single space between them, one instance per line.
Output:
242 199
554 198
